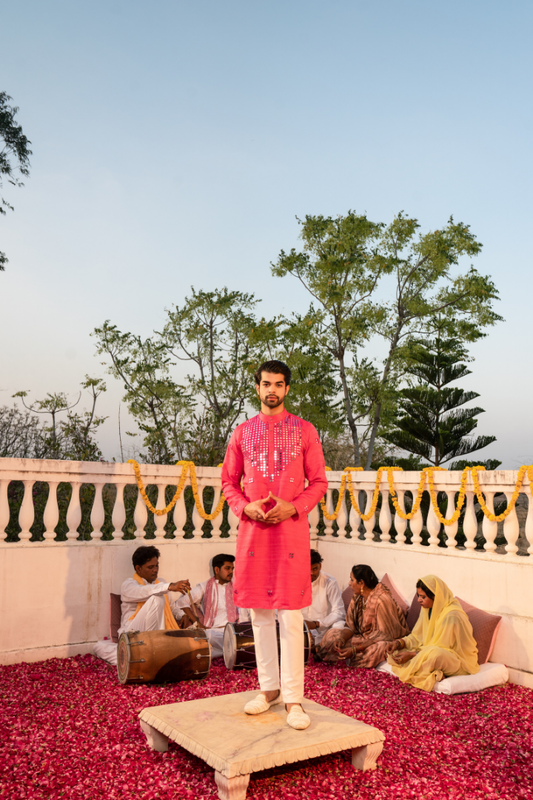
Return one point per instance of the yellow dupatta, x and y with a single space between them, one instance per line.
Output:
448 628
170 622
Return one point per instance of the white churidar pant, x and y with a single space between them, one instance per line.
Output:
291 635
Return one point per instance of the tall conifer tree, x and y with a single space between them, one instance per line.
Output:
433 423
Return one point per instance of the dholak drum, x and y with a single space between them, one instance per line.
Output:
163 656
239 645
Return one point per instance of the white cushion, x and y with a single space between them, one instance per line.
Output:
489 675
107 650
384 666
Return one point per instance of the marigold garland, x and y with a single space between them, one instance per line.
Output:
394 497
342 489
187 467
500 517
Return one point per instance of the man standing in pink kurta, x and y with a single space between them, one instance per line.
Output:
273 454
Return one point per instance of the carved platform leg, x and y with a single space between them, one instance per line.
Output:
232 788
365 757
156 740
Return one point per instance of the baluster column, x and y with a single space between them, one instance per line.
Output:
97 512
529 525
470 522
118 517
490 529
342 519
233 520
511 528
27 512
369 523
217 522
160 520
197 519
51 512
400 524
416 524
180 516
314 519
385 519
74 512
451 530
140 517
4 508
328 523
433 524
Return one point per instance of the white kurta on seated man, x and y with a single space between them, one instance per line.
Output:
327 609
145 601
213 603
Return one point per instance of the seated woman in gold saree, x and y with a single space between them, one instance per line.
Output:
441 644
373 620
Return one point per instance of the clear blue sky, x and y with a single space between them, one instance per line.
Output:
174 143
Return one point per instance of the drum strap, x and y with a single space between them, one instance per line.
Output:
170 622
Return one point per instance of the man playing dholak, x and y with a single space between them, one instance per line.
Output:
273 454
218 609
145 604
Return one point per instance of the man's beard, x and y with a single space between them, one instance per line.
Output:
272 401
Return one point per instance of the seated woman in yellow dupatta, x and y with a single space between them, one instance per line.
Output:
373 620
441 644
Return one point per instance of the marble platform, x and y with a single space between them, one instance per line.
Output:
217 730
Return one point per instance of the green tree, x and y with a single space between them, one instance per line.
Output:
433 423
72 438
20 434
14 154
342 262
427 297
212 332
340 267
314 392
160 406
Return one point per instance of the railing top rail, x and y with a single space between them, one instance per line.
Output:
111 472
91 471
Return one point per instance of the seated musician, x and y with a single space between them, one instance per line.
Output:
146 605
213 605
327 609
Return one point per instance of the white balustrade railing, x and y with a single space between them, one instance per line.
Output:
31 501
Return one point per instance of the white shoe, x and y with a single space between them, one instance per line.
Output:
298 719
260 704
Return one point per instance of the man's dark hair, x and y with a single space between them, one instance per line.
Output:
276 368
221 559
144 554
316 558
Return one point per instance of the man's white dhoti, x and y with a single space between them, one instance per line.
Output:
151 615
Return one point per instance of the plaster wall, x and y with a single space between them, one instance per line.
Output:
54 597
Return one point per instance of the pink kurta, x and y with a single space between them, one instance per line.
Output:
273 454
